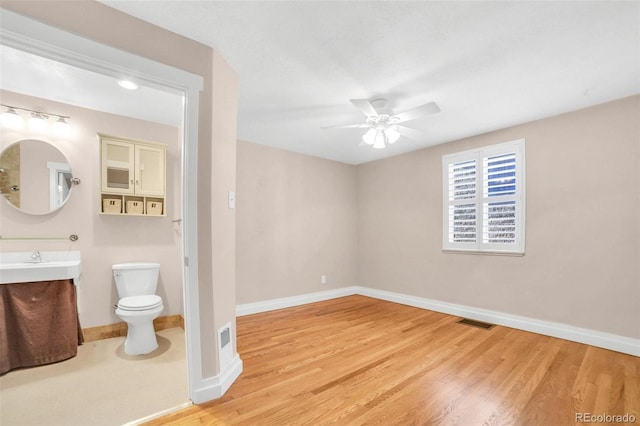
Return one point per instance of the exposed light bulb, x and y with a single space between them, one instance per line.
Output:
11 119
61 127
369 137
38 122
392 134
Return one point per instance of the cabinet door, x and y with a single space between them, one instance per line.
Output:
150 165
117 167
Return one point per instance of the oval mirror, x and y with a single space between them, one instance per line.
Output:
35 177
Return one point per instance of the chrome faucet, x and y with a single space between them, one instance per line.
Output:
35 257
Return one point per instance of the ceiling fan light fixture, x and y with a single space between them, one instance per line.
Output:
384 126
380 139
369 137
392 134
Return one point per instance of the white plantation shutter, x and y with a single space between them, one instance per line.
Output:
483 199
461 191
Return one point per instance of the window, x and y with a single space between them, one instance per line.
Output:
484 199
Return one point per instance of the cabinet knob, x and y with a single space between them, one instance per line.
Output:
131 180
137 182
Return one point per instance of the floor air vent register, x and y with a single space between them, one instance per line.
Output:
474 323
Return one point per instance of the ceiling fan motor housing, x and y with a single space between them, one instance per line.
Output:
382 107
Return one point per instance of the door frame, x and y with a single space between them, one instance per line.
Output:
26 34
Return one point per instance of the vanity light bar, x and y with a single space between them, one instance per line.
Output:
40 113
10 118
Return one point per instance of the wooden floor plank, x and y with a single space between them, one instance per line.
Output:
358 360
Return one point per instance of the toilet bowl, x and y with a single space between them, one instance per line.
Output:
138 305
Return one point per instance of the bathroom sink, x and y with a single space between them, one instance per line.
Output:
19 268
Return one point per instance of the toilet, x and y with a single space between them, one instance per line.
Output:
138 305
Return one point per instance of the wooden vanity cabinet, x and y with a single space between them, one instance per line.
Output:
133 176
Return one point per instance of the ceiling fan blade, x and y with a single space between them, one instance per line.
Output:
348 126
418 112
365 106
410 133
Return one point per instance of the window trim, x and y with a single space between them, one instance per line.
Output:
478 154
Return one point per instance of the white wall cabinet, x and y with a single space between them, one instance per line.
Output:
133 177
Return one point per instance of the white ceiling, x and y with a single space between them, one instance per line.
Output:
22 72
488 65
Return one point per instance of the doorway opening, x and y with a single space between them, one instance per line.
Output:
27 35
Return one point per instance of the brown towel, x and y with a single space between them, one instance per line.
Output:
38 323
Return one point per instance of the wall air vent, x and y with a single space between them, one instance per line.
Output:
225 337
474 323
225 346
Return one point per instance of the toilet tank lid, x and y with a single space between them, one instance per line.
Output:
135 265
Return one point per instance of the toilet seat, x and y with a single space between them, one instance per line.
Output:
139 303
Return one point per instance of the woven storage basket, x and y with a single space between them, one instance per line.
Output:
112 205
154 208
134 207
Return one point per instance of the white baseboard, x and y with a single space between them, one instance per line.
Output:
613 342
214 387
162 413
288 302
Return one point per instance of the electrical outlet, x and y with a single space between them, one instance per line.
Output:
323 279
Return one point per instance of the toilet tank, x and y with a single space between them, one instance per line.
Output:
136 278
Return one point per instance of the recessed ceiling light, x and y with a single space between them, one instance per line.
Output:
128 84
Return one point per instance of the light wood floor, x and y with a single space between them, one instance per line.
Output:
357 360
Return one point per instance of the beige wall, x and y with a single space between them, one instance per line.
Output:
582 261
216 222
111 27
103 240
296 221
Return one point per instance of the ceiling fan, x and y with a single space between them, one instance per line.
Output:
384 125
